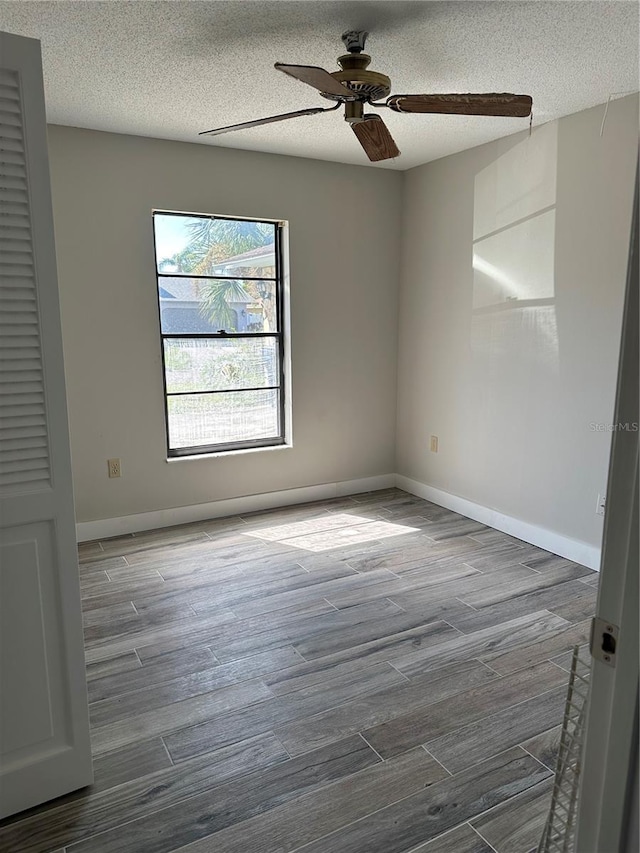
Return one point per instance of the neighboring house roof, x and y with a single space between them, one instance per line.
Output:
188 290
179 288
261 256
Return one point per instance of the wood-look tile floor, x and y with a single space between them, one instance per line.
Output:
373 674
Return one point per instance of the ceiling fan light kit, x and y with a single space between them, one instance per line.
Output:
354 86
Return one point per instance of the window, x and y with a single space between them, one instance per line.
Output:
220 295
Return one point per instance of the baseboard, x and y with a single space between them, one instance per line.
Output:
571 549
104 528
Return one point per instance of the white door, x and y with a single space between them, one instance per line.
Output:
608 808
44 732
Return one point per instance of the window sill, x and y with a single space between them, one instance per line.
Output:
223 453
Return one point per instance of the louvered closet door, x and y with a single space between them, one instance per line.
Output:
44 732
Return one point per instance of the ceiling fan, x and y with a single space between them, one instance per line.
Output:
356 87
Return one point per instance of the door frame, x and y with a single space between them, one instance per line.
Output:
607 811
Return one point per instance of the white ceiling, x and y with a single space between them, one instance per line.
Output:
170 68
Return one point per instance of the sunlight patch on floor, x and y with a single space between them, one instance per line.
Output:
334 531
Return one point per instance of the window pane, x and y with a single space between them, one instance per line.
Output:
198 420
204 306
196 364
203 246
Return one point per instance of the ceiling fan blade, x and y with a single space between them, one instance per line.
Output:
373 134
258 121
491 104
317 77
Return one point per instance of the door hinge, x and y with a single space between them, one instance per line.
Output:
603 643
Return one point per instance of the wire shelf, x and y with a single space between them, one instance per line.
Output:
559 831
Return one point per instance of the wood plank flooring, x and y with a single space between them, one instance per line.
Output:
373 674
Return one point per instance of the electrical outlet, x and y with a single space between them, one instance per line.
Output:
433 446
602 500
114 468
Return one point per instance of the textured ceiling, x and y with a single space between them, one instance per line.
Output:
171 69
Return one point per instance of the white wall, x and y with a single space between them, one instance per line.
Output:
344 251
511 388
510 391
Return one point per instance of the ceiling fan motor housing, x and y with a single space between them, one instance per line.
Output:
367 85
